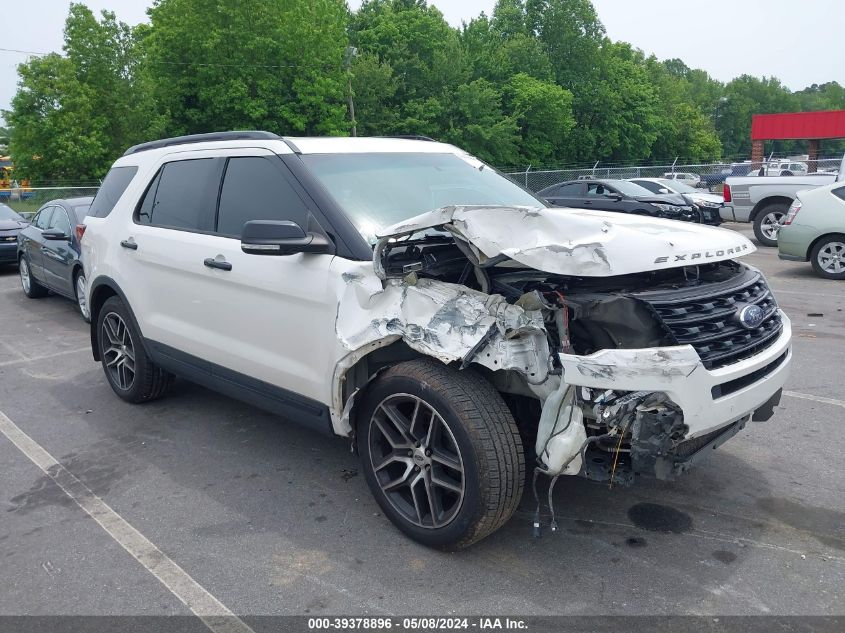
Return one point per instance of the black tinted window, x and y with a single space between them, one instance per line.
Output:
116 182
839 193
184 196
653 187
42 220
255 188
572 189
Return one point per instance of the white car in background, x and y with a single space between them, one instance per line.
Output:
708 203
686 177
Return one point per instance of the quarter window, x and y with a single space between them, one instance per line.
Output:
182 195
115 183
255 188
839 193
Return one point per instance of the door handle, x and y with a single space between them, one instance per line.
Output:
214 263
130 244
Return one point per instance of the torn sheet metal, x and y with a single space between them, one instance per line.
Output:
442 320
580 242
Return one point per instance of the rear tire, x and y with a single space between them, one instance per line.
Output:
767 223
828 257
80 285
31 288
131 374
447 487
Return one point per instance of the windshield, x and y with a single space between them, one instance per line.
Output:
677 187
380 189
7 213
628 188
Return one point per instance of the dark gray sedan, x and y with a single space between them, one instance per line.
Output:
10 226
49 253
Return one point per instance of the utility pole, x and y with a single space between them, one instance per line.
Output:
351 52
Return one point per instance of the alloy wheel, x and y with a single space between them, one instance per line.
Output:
80 296
416 461
831 258
23 269
770 226
119 352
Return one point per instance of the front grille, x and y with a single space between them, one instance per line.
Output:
706 318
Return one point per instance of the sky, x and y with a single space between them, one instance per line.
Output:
800 43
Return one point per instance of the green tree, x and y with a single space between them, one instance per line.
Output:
58 132
74 115
543 114
217 65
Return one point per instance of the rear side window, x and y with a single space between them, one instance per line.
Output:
115 183
255 188
572 189
182 195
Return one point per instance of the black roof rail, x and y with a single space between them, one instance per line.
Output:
203 138
412 137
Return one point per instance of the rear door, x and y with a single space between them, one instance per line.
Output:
58 256
566 195
597 197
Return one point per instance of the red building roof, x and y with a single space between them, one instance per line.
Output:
798 125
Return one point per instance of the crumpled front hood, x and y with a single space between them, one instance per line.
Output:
580 242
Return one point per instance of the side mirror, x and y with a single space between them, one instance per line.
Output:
613 196
55 234
271 237
663 191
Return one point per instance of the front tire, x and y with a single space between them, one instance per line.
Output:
131 374
767 223
828 257
31 288
441 453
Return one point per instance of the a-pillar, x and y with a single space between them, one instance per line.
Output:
813 156
756 154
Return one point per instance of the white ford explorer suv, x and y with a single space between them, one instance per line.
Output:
403 294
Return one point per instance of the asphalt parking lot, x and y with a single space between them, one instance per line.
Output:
272 519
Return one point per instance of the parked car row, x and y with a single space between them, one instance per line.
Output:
47 249
655 198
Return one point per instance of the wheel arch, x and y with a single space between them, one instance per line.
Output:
102 289
818 239
765 202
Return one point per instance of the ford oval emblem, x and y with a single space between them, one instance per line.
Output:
751 317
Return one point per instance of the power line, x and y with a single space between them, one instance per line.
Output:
15 50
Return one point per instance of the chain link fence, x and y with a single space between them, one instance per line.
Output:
27 200
705 176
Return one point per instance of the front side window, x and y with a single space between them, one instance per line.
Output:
42 220
115 183
182 195
377 190
60 222
596 189
254 188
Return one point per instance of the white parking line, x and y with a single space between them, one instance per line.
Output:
807 396
209 609
30 359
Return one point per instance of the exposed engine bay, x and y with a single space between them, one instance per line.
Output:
608 374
